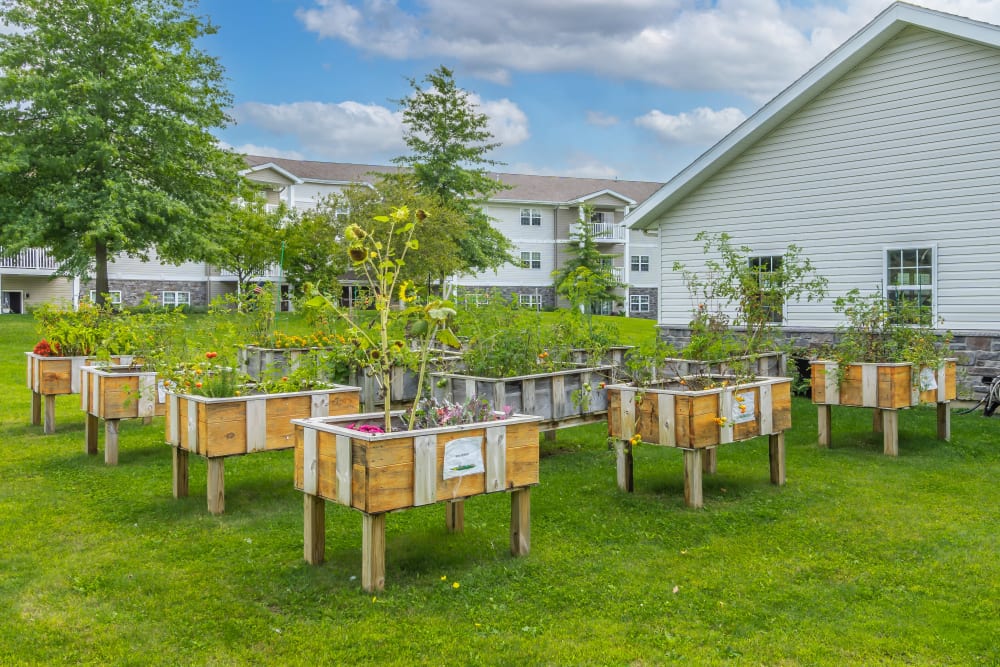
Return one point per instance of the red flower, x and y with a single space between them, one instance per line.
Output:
211 355
198 385
43 349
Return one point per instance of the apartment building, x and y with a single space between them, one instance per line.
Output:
537 213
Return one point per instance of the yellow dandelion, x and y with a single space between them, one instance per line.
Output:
444 577
455 585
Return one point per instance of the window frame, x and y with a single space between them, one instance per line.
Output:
776 314
531 217
534 260
175 304
916 287
115 300
636 263
640 299
529 300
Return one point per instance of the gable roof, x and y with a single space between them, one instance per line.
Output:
862 44
524 188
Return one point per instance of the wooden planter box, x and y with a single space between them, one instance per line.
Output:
112 393
887 387
56 376
379 473
255 361
546 395
689 420
218 427
613 356
766 365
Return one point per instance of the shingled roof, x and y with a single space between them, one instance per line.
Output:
523 187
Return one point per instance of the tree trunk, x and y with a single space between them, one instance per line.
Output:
101 273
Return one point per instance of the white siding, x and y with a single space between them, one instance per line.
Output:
130 268
903 150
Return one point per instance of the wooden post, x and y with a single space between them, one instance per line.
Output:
111 442
90 431
50 414
146 421
776 456
710 461
314 533
623 455
36 408
877 420
549 436
943 422
824 425
520 521
180 472
692 478
454 516
216 485
373 552
890 432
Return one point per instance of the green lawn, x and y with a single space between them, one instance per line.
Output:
859 559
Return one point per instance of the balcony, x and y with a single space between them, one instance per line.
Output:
607 232
618 273
29 259
269 273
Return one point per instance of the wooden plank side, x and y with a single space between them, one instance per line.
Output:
298 458
345 403
850 385
224 427
749 429
666 421
425 469
614 413
390 488
280 410
781 406
55 376
496 458
343 468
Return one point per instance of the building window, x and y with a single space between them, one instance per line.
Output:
175 298
533 301
768 270
531 217
640 262
531 260
638 303
909 282
116 297
475 299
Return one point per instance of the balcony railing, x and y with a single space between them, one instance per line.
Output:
618 273
29 258
264 273
607 232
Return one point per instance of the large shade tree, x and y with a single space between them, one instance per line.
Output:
449 142
105 113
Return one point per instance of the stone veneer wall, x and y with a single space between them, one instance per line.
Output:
134 291
978 352
653 306
547 292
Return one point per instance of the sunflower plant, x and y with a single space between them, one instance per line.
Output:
378 254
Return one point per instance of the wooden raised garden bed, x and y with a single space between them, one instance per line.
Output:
215 428
56 376
560 398
698 422
386 472
113 393
886 387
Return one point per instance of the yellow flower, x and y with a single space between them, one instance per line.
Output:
444 577
635 439
455 585
721 421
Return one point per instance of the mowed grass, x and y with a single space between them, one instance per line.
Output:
859 559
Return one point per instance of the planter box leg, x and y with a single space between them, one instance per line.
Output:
876 420
549 436
692 478
36 408
146 421
823 419
111 442
890 432
776 455
373 552
314 535
710 461
623 452
943 422
454 517
217 485
180 472
90 430
520 522
50 414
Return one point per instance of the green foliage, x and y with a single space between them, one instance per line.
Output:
313 251
644 361
106 112
738 302
449 140
73 333
249 236
585 279
876 331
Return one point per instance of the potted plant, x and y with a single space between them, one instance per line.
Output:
889 357
434 452
716 394
215 411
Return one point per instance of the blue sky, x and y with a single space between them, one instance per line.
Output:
632 89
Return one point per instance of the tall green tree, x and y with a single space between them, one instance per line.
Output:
105 113
586 279
449 142
314 250
250 236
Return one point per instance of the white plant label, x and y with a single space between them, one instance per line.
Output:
745 412
927 380
463 456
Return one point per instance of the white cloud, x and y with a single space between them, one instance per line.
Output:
700 126
752 47
365 133
267 151
601 119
